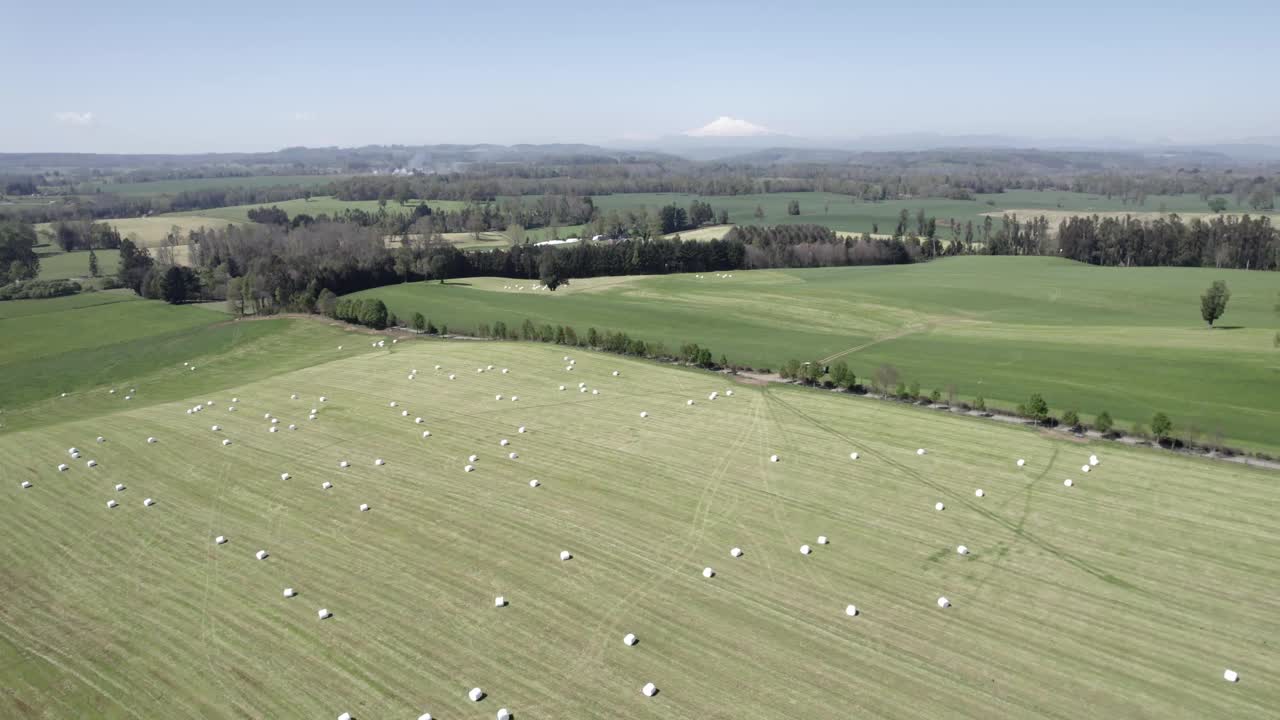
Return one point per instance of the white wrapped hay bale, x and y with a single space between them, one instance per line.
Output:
469 468
729 393
418 421
344 464
26 484
293 396
220 540
92 463
1085 468
822 539
73 451
774 458
1093 459
216 428
101 439
266 416
379 462
111 504
426 434
521 429
324 614
630 639
475 694
708 572
497 397
920 451
326 485
235 399
226 441
644 414
561 388
615 373
649 689
582 390
595 392
713 396
805 549
289 592
424 716
273 428
404 413
736 552
324 399
364 507
473 458
980 492
505 371
63 467
148 502
151 441
285 476
1068 482
853 456
452 376
261 555
515 398
395 404
293 427
275 421
851 610
312 416
489 367
944 603
512 456
1231 676
500 601
504 442
504 714
962 550
565 555
119 487
534 483
1021 462
939 507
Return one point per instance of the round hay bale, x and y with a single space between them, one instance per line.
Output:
497 397
26 484
708 572
805 550
822 539
505 371
231 408
343 464
615 373
92 463
394 403
424 716
729 393
437 367
404 413
980 492
267 416
417 421
220 540
275 421
151 441
561 388
1093 459
1021 462
736 552
853 456
469 468
119 487
565 555
235 399
713 396
962 550
773 458
364 507
293 427
1068 482
289 592
489 368
534 483
63 467
216 428
567 368
261 555
944 603
920 451
111 504
285 476
452 376
500 601
515 398
521 429
475 694
688 402
504 442
273 428
630 639
473 458
323 399
101 439
324 614
582 390
148 502
1085 468
649 689
939 507
426 433
1231 676
504 714
293 396
379 462
851 610
326 485
512 456
595 392
644 414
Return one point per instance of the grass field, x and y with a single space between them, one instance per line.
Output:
1126 340
173 187
316 206
114 338
1124 596
75 265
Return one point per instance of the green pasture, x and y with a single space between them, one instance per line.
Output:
317 206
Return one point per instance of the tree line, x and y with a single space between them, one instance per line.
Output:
1245 242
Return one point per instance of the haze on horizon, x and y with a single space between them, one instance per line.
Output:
146 77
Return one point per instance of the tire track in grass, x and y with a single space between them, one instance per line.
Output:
1048 547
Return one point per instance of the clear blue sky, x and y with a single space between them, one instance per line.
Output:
154 76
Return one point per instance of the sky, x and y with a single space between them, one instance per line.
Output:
152 76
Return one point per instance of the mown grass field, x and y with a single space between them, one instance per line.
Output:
315 206
173 187
75 265
1126 595
1126 340
115 339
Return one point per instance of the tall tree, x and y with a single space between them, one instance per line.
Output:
1213 303
93 263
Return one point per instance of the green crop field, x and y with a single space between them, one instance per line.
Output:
1127 595
1125 340
116 339
173 187
75 265
316 206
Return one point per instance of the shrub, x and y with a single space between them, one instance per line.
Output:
1036 408
1103 423
1071 419
914 391
419 322
1161 426
935 397
34 289
979 403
